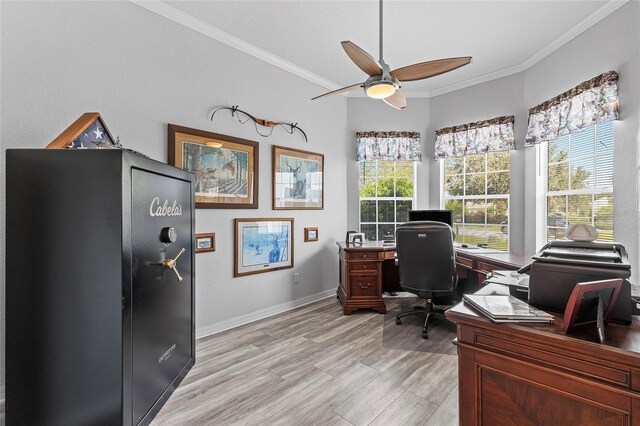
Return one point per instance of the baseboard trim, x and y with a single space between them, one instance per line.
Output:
262 314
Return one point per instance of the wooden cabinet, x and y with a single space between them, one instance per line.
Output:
361 277
534 374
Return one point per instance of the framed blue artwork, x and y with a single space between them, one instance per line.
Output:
262 245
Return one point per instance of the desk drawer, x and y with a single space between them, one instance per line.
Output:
482 266
363 255
364 286
464 262
363 266
557 360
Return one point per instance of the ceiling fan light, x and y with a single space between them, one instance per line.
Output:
381 90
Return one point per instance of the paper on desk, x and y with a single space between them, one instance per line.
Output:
505 273
515 279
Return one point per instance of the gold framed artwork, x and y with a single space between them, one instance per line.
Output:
226 167
262 245
311 234
298 179
206 242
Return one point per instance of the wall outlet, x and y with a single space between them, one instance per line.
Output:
296 278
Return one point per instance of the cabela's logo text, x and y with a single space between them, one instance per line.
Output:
155 209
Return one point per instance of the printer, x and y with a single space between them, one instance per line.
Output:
560 265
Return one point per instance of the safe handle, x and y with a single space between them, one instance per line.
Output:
171 264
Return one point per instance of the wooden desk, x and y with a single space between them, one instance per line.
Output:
368 269
534 374
360 276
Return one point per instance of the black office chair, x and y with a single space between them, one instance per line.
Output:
427 266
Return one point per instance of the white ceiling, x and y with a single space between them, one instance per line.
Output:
304 36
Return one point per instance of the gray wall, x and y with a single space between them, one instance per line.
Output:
365 114
611 44
141 71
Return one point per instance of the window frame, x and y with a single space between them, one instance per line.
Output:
542 230
413 199
485 196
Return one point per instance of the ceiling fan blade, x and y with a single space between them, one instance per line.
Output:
343 89
397 100
361 58
430 68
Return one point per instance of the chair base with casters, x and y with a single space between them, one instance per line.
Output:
428 311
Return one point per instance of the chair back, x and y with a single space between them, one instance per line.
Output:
426 258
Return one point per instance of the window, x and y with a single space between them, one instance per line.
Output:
579 187
387 193
476 189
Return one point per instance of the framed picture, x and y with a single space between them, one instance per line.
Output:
226 168
87 132
263 245
298 179
205 242
311 234
590 305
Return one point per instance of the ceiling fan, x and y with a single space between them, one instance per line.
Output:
385 84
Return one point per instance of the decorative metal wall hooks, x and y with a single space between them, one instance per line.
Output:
244 117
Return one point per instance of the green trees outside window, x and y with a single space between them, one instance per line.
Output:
476 189
387 191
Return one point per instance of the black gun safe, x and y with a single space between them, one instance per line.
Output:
99 312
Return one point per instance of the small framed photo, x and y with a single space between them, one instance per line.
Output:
205 242
590 305
311 234
263 245
355 238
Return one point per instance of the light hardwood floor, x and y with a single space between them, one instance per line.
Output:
315 366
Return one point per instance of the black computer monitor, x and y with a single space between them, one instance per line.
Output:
444 216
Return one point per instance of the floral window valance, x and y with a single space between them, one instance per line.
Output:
475 138
591 102
389 146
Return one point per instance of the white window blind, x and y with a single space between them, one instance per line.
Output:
580 181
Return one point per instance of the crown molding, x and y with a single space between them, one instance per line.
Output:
198 25
604 11
504 72
195 24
